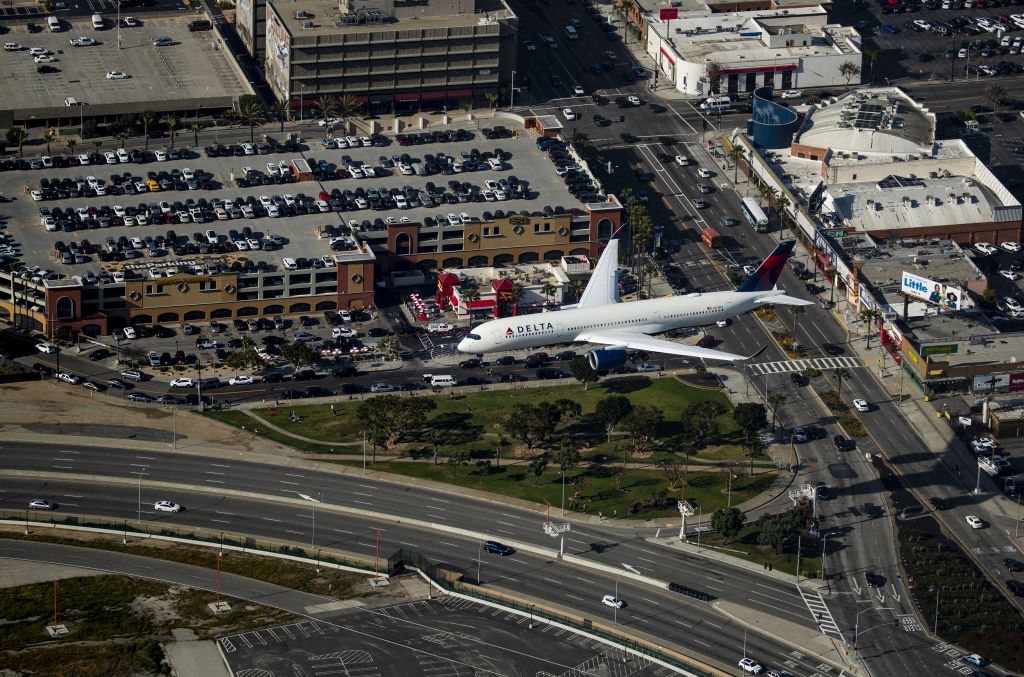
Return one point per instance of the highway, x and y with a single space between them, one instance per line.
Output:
656 614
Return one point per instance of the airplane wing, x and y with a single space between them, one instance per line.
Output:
783 300
637 341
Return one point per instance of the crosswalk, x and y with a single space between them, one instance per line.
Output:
820 613
820 363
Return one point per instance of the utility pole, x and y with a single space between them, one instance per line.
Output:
798 546
141 473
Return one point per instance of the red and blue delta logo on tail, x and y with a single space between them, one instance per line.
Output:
767 274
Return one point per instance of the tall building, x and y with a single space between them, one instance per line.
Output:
393 56
251 26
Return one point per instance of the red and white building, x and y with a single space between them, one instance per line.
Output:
504 292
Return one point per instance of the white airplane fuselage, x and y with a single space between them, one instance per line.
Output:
652 316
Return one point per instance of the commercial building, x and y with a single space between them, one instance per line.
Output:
495 292
391 55
701 52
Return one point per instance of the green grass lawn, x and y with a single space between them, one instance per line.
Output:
481 413
705 489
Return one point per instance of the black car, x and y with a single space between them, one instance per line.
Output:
565 356
118 383
844 443
100 354
511 377
1016 587
832 349
377 332
797 378
141 397
353 388
549 373
1013 565
471 363
936 503
498 548
874 580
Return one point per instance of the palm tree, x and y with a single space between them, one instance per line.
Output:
172 124
282 110
96 143
776 400
548 290
577 287
121 136
471 295
871 55
195 127
347 107
736 153
49 136
467 107
492 99
867 316
147 118
841 373
516 293
17 136
253 114
327 106
72 142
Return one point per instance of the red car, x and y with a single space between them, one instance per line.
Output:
706 341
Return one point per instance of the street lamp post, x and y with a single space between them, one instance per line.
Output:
562 473
512 93
313 501
479 556
856 625
141 473
824 554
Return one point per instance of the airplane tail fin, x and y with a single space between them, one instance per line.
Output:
767 274
603 288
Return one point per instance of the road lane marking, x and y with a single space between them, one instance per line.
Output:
220 465
453 545
271 519
211 472
359 494
575 597
437 517
362 503
367 486
585 580
551 580
71 496
340 531
221 512
505 523
292 474
648 599
505 531
63 467
214 481
147 458
294 484
221 521
298 533
434 507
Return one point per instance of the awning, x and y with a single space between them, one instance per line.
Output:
404 98
760 69
433 96
456 93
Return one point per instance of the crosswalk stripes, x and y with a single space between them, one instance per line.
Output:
820 613
820 363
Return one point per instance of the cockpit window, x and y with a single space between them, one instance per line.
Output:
475 337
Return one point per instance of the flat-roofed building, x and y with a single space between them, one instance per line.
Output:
391 55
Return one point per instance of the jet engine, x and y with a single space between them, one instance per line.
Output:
607 358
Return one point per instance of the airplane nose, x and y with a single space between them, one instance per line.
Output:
463 345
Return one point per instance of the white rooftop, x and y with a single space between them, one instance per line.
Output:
883 120
901 202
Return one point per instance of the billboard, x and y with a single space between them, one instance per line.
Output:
939 349
931 291
668 13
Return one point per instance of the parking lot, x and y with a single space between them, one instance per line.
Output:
916 51
194 67
299 234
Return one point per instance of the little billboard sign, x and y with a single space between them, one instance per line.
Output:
931 291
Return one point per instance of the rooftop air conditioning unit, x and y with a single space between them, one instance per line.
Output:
933 175
306 25
301 14
870 202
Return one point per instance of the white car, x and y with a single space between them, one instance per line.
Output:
704 173
633 100
182 383
382 388
329 122
529 46
861 405
241 380
649 366
82 42
723 323
682 160
751 666
569 113
791 94
68 377
344 332
749 270
438 327
1010 246
578 90
985 248
611 600
610 55
43 58
975 522
41 504
1009 274
45 347
166 506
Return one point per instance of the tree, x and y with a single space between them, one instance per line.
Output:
537 466
456 460
548 290
71 143
996 94
172 124
533 424
989 296
568 410
253 114
196 128
674 473
299 353
702 418
515 293
752 447
245 357
577 287
728 522
583 372
849 70
840 373
147 118
868 316
776 400
611 410
282 110
483 467
736 153
492 99
567 457
871 55
326 106
389 417
750 416
714 73
17 136
48 137
642 424
121 136
347 106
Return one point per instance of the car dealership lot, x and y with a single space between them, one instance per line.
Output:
188 69
524 161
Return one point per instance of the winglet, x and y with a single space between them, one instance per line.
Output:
767 274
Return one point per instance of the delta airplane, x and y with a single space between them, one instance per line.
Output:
599 318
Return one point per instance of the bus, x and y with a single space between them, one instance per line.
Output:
711 237
754 214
